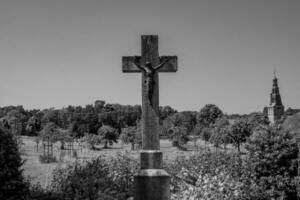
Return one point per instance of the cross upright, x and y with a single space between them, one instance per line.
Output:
150 64
152 182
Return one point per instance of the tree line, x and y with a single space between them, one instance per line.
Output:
105 123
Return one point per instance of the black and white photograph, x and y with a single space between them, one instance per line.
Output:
149 99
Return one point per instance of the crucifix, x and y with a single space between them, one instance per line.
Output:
152 182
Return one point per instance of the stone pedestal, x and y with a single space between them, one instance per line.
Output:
152 182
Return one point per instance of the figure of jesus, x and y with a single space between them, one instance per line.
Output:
149 72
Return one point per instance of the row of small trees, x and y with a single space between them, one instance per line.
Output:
211 125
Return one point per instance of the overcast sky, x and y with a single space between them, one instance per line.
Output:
55 53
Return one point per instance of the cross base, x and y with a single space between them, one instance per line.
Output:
151 159
152 184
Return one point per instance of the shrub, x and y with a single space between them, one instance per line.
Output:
101 178
218 186
194 174
122 171
82 180
12 183
39 193
273 162
178 136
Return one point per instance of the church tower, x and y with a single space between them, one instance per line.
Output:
276 109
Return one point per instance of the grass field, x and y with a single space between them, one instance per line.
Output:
42 172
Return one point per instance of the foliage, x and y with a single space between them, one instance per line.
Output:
100 178
208 115
273 161
63 136
12 184
185 119
219 186
206 175
220 132
77 119
16 121
83 180
292 123
108 135
131 135
36 192
240 130
33 126
165 111
49 132
258 119
203 175
179 136
122 174
206 134
92 140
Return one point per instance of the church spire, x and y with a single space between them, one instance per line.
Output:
276 108
275 98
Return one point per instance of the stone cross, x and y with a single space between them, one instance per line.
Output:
152 182
150 64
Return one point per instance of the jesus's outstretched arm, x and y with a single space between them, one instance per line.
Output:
160 65
138 63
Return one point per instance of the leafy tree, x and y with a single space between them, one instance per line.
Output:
49 132
99 105
131 135
77 128
62 136
258 119
92 140
220 132
33 126
240 130
12 184
179 136
16 119
208 115
165 111
206 134
184 119
51 115
273 162
108 135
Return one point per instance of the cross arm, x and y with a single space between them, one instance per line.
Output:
170 65
129 64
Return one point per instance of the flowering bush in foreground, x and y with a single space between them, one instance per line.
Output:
206 176
102 178
209 187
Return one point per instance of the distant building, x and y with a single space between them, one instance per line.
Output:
275 110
